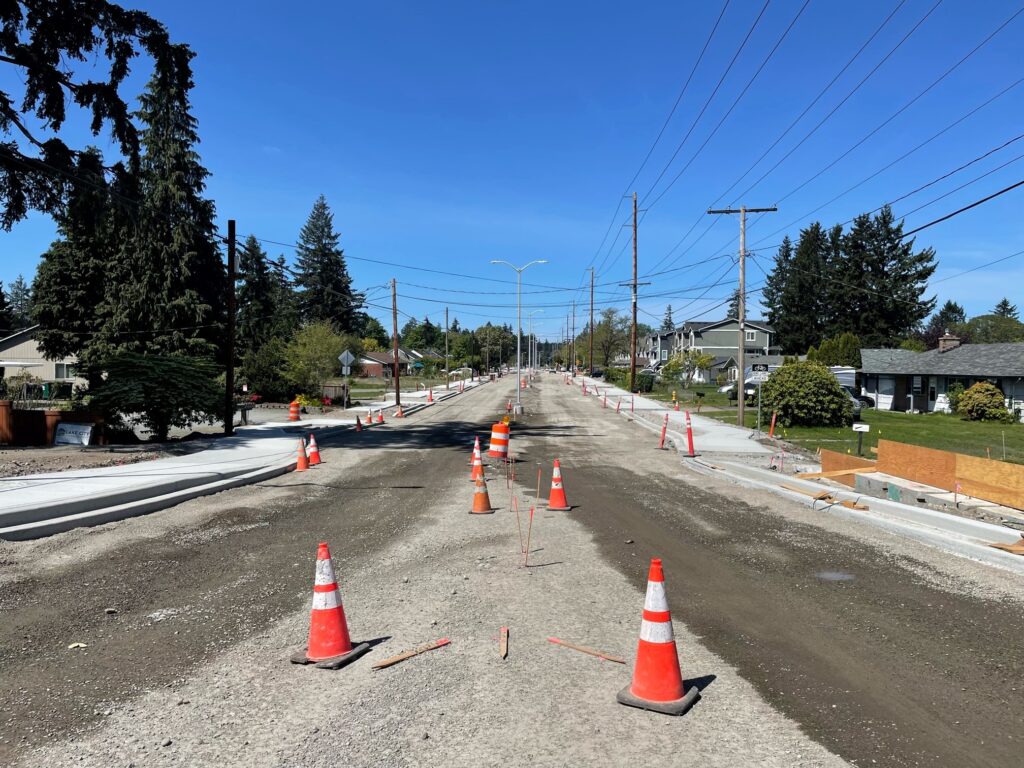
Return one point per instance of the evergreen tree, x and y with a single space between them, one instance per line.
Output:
6 316
667 324
775 283
892 279
73 279
169 283
19 296
256 298
798 313
733 312
1003 309
949 316
286 302
325 287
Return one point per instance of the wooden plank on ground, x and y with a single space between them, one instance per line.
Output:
837 472
822 496
854 505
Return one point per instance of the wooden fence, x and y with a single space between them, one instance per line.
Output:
996 481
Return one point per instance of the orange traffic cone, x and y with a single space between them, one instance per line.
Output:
478 463
657 682
314 452
481 501
302 463
476 447
557 501
369 416
330 646
398 413
380 416
359 424
676 407
430 395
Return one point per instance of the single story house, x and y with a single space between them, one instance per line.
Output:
902 380
19 353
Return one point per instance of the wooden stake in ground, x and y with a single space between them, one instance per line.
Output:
519 526
529 530
409 654
590 651
503 643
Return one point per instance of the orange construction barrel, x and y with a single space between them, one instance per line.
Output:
293 410
499 441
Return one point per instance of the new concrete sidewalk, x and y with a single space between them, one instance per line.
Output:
39 505
709 435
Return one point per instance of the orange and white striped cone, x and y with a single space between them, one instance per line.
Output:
369 416
476 447
398 413
676 406
380 416
478 463
314 452
557 501
330 646
481 499
302 462
657 681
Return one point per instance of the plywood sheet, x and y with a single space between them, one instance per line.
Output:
995 481
833 460
922 465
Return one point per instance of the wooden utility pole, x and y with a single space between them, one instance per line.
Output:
572 338
394 326
741 377
229 372
591 352
446 375
632 332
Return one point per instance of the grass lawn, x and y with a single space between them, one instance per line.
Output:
931 430
708 394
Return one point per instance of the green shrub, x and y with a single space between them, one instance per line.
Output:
983 402
953 393
807 394
644 382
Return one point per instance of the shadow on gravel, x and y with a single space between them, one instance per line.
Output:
450 434
700 683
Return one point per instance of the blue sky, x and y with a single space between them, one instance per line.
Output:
448 134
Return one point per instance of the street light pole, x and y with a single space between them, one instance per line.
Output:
519 325
531 354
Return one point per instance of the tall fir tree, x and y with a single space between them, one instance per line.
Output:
797 310
6 316
256 297
19 297
667 324
170 280
1003 309
72 282
890 301
325 287
734 306
775 283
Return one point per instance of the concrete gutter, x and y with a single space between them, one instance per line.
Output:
958 535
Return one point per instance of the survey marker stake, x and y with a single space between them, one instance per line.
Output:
529 530
409 654
503 643
519 525
589 651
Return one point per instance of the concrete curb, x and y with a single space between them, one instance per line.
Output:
959 536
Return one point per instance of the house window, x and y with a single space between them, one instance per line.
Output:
63 371
751 335
916 385
664 354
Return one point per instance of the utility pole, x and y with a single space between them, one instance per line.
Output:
446 376
394 326
632 331
741 379
572 339
229 373
591 351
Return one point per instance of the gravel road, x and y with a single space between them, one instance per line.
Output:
212 597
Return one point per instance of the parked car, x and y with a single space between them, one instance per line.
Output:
864 400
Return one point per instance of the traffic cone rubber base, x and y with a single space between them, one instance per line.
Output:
336 662
675 707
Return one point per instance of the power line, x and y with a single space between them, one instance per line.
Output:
782 135
975 269
957 212
735 102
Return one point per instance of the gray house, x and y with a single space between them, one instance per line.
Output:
657 348
720 339
901 380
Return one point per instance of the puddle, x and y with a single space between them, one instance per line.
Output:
835 576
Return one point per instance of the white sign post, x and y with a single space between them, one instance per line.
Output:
860 428
346 359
